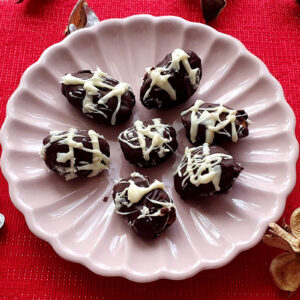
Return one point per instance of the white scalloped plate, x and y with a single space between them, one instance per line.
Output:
73 217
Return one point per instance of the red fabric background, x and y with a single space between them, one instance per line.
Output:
29 268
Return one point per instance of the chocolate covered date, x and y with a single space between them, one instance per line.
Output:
75 153
99 96
145 206
172 81
214 123
148 144
205 170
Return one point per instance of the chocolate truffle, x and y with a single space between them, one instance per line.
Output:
205 170
147 208
99 96
172 81
75 153
148 144
214 123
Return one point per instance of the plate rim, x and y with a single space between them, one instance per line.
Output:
163 273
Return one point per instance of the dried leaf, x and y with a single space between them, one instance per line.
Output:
212 8
285 271
2 220
82 16
295 224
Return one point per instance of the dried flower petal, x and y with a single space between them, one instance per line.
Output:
285 271
212 8
2 220
295 224
294 242
286 227
277 242
82 16
285 268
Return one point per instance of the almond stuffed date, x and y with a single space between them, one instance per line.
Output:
75 153
172 81
214 123
99 96
147 144
205 170
147 208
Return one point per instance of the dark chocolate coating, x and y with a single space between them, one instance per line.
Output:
76 93
230 171
212 8
241 120
79 154
147 227
179 80
135 156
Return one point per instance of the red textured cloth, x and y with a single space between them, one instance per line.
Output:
29 268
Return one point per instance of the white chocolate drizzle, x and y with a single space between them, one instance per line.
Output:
201 167
154 131
90 86
158 78
210 118
99 162
135 193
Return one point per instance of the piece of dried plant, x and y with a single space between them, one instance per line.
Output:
82 16
295 223
285 268
2 220
212 8
285 271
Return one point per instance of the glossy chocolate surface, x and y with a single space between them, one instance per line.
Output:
75 94
81 157
179 80
146 227
230 170
241 126
133 150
